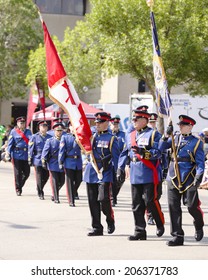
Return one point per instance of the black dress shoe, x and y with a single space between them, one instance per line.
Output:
199 234
111 228
57 201
138 236
72 205
18 193
95 233
176 241
160 231
151 221
41 197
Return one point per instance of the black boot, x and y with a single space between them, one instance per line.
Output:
138 236
160 231
95 233
111 228
176 241
199 234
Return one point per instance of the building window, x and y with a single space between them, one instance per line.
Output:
68 7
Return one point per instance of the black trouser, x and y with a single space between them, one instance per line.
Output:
57 181
73 181
115 188
21 173
99 200
42 176
145 196
191 200
159 194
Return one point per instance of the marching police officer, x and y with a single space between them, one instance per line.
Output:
70 157
145 173
114 126
184 180
99 174
17 149
50 157
36 144
164 161
54 121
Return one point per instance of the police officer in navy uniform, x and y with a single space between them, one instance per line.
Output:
145 173
183 186
54 121
70 157
36 144
114 127
164 161
49 157
99 174
17 150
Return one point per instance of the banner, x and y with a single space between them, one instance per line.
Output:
63 93
32 104
161 86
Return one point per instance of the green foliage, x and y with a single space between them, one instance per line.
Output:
19 33
116 38
125 34
81 63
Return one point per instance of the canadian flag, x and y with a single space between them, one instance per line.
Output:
32 104
63 93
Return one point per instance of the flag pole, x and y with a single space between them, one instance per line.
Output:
150 3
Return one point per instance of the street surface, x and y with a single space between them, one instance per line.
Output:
34 229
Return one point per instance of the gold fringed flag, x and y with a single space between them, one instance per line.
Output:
161 86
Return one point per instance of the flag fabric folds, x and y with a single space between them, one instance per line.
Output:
63 93
32 104
161 86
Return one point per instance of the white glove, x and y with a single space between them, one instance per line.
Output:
7 157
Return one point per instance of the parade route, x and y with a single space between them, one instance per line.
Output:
34 229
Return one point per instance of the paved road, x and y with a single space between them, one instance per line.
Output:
32 229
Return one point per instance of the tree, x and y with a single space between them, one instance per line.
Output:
115 38
19 33
81 62
125 36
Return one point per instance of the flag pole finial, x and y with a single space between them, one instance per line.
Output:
39 13
150 3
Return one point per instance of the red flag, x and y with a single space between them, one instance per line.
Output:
62 92
32 104
41 93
